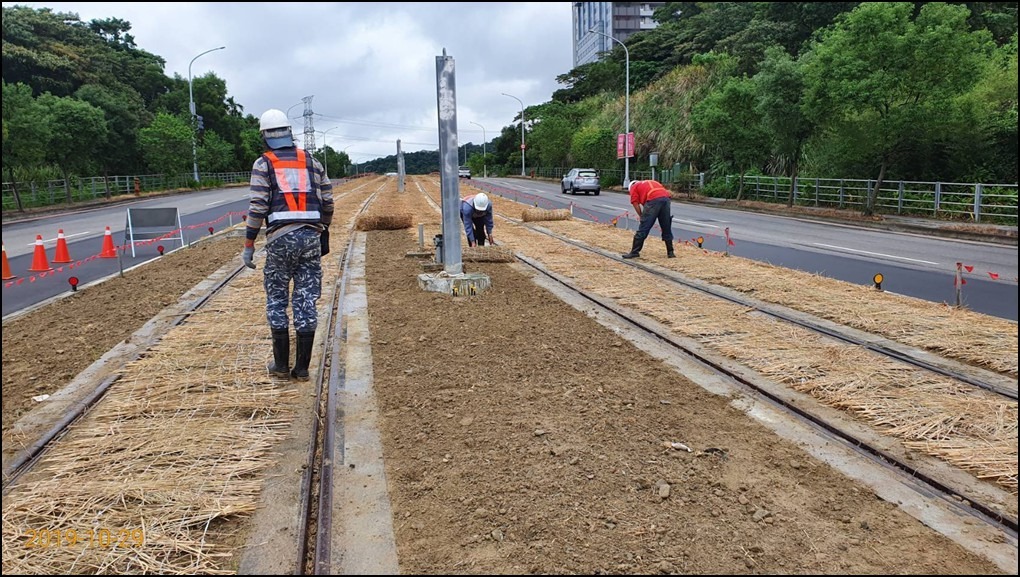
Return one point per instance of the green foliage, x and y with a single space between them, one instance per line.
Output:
166 144
893 75
75 128
124 113
215 154
727 122
594 147
26 129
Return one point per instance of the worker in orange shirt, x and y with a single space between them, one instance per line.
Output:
651 201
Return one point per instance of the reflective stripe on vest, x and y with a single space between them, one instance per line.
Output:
293 179
653 188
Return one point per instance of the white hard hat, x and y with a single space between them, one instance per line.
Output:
480 201
275 128
273 118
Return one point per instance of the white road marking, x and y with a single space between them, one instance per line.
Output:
66 236
875 253
694 222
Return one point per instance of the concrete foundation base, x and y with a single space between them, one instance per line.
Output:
466 284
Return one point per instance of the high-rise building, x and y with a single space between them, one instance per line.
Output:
618 19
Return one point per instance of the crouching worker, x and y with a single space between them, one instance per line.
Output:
651 201
476 212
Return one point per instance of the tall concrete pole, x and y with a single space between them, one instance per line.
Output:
446 95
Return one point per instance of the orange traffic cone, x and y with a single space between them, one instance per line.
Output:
7 266
109 251
39 262
61 255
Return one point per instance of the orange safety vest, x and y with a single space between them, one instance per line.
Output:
292 199
655 190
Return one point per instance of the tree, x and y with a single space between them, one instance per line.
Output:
166 143
889 75
780 94
215 153
124 113
26 131
726 121
595 147
75 128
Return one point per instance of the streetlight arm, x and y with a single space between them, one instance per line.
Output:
522 129
485 172
191 109
191 99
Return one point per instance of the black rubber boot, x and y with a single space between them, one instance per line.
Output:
635 249
304 355
669 249
281 353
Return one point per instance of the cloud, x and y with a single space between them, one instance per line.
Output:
370 67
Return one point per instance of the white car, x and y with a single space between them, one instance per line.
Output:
584 180
464 172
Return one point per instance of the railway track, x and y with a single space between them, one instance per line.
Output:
324 447
929 479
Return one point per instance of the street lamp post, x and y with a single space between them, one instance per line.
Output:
348 156
626 114
325 155
485 170
522 129
191 108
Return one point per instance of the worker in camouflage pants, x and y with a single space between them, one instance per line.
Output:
292 195
293 256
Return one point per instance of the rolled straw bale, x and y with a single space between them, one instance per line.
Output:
487 253
384 221
536 214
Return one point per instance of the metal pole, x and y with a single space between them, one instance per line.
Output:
485 171
449 155
348 168
522 129
191 108
626 114
325 156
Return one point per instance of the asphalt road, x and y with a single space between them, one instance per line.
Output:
917 265
84 232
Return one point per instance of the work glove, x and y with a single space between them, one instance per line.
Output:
247 255
324 241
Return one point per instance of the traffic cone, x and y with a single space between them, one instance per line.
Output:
61 255
39 262
109 251
7 266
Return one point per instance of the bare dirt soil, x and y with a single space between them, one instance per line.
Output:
522 437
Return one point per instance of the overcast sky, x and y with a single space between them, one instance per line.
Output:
370 67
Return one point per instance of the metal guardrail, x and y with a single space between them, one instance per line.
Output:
974 201
81 189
